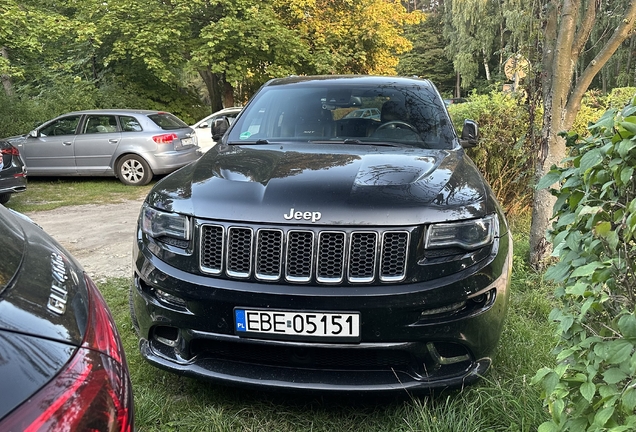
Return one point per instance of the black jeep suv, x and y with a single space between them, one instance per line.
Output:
319 251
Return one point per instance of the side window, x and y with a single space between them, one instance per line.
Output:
129 124
62 126
100 124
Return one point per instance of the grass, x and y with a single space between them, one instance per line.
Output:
503 401
44 193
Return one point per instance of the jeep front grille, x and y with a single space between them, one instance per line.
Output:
304 255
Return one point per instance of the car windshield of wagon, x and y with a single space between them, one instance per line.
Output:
167 121
411 115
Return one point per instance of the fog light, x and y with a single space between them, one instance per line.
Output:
167 335
448 353
484 298
443 310
169 299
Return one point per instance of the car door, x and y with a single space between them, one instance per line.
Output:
52 152
95 145
203 131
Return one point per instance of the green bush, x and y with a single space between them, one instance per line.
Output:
593 385
594 104
504 154
34 105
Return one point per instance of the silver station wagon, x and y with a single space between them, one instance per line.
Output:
132 145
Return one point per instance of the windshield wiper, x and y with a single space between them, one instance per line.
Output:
337 141
258 141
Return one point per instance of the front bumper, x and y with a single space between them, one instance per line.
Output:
413 337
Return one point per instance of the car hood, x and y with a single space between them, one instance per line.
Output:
377 186
34 272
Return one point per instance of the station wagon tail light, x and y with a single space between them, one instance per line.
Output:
165 138
469 235
157 223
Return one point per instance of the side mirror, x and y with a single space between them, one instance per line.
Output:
203 126
470 134
34 133
219 127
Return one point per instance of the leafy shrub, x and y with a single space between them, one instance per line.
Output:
594 104
593 385
35 105
504 154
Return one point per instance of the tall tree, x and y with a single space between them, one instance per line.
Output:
471 27
31 34
345 36
232 43
427 58
567 26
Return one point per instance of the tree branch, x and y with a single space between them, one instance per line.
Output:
620 34
583 33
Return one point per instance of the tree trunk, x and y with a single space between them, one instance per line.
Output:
628 66
6 79
486 66
228 94
458 82
214 88
555 84
563 44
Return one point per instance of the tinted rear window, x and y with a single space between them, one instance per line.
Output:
167 121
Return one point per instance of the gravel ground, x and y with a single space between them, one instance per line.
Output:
100 236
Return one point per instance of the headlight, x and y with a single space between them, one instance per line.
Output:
157 223
471 234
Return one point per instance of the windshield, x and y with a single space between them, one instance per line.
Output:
339 111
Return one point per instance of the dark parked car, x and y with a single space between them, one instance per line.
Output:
309 250
12 172
62 365
132 145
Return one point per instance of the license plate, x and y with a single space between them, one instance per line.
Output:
186 142
277 324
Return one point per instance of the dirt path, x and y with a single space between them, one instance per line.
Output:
99 236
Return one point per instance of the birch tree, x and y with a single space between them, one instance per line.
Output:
567 26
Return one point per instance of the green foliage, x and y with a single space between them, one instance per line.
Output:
504 153
593 385
427 58
594 104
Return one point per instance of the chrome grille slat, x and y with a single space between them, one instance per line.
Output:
331 253
304 255
394 255
269 253
212 248
300 256
362 256
239 252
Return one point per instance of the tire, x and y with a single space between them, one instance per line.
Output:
133 316
4 198
134 170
